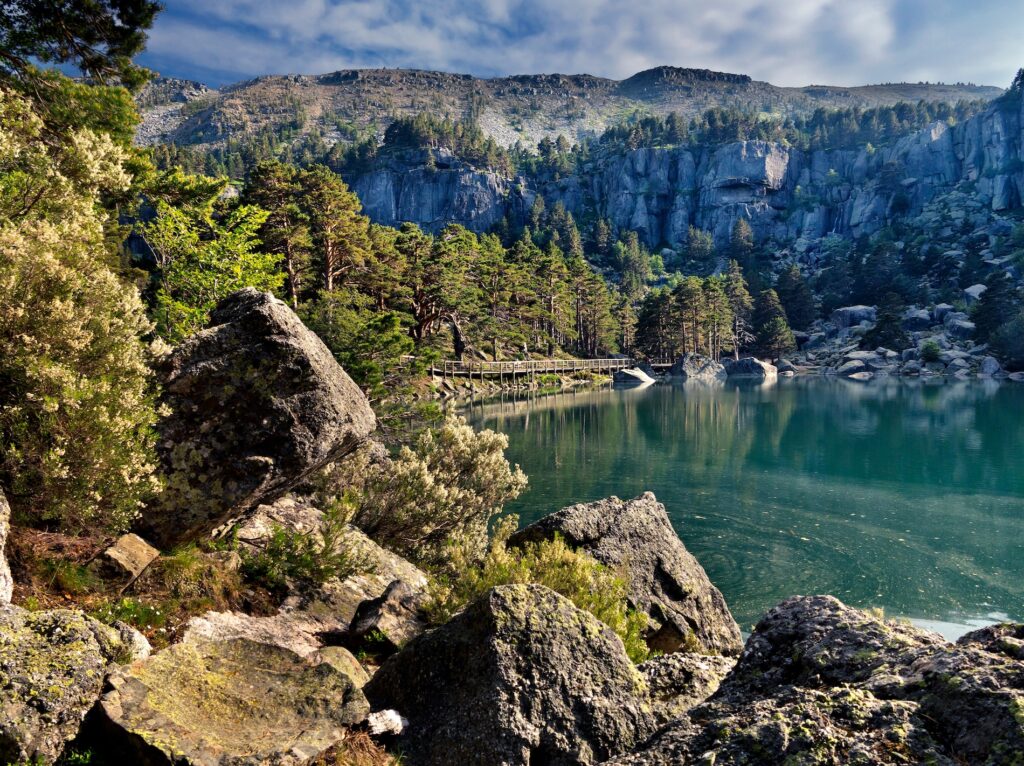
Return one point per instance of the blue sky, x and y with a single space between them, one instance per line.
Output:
787 42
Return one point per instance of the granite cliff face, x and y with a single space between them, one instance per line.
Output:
787 194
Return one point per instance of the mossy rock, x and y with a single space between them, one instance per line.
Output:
52 666
234 702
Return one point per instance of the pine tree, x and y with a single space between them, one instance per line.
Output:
888 331
998 304
796 297
741 244
274 187
340 233
700 251
740 305
773 334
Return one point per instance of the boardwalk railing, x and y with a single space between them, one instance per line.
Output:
479 369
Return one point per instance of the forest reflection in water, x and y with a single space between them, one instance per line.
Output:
902 494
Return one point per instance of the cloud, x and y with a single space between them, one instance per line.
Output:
796 42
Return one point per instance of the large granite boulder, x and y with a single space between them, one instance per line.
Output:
665 580
697 367
851 316
819 682
226 703
6 581
521 678
257 403
750 367
51 673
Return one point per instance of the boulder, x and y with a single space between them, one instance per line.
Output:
221 703
940 311
51 673
990 366
393 619
680 681
851 367
820 682
665 580
851 316
257 402
6 581
961 329
521 677
632 376
749 367
973 293
697 367
125 560
916 320
785 366
342 660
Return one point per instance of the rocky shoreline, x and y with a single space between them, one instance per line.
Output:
520 676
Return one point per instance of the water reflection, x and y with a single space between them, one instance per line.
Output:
903 494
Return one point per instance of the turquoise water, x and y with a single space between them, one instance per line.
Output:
905 495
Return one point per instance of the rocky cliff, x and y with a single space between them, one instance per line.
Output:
788 195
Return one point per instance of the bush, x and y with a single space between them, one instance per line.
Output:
1008 343
930 351
591 586
306 558
76 405
448 485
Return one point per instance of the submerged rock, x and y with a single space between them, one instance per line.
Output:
819 682
51 673
521 678
257 403
6 581
697 367
227 703
665 580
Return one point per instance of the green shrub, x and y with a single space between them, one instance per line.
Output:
306 558
76 404
930 351
448 485
591 586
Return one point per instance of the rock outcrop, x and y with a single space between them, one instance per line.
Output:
665 580
308 619
257 403
680 681
227 703
6 581
521 678
819 682
51 673
699 368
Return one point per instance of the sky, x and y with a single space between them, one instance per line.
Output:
785 42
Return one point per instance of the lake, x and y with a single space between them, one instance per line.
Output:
902 494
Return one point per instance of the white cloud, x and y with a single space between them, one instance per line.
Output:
792 42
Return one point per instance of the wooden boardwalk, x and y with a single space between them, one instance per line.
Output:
533 367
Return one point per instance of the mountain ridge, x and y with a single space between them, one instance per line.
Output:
512 108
